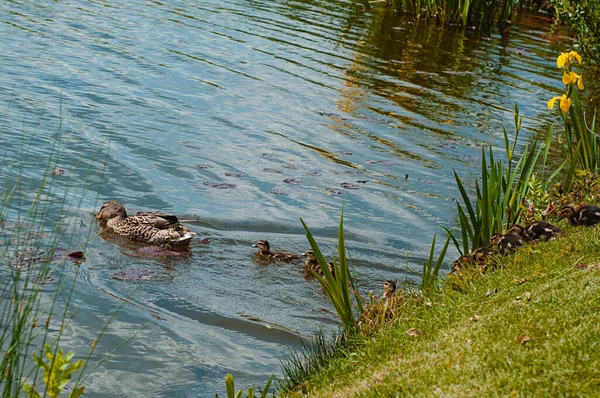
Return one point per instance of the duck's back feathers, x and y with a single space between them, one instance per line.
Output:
159 219
542 230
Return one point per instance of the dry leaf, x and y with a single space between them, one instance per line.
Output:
414 332
523 338
475 318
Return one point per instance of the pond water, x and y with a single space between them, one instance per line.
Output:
298 107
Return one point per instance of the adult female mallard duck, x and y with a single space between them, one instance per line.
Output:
582 215
536 231
149 227
264 251
312 264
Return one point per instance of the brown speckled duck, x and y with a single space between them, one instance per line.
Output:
582 215
536 231
509 242
265 252
312 264
149 227
389 288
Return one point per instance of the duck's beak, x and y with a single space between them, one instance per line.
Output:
559 218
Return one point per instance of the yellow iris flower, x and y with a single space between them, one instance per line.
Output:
564 60
565 102
572 77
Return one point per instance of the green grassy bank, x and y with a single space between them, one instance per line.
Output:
529 327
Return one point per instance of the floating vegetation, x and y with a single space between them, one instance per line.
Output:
334 191
43 280
138 275
290 166
219 185
314 173
269 155
205 166
344 153
426 181
275 171
237 175
347 185
384 162
277 191
293 181
57 172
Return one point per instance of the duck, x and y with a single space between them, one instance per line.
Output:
479 257
389 288
154 227
536 231
312 264
509 242
582 215
264 251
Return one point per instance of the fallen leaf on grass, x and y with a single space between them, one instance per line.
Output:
523 338
414 332
475 318
586 267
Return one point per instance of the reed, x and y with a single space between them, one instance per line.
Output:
339 285
499 191
35 200
231 393
481 13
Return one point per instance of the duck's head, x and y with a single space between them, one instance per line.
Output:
311 255
389 286
262 245
495 239
111 209
566 212
517 230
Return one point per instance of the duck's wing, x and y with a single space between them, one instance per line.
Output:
158 219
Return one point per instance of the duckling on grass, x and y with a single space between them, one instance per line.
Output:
536 231
582 215
509 243
149 227
264 252
389 288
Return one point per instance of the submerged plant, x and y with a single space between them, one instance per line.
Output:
57 373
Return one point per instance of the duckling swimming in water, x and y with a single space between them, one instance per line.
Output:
536 231
312 264
149 227
264 251
582 215
389 288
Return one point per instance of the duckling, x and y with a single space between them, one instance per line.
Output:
148 227
312 264
264 251
536 231
582 215
509 242
389 288
479 256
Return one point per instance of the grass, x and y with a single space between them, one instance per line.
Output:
529 328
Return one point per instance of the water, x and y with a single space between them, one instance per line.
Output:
143 93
